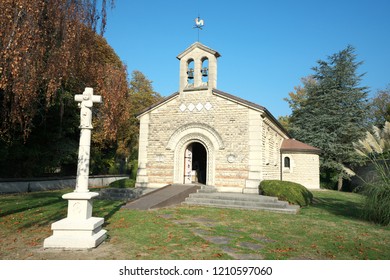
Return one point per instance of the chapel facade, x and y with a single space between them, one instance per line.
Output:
201 134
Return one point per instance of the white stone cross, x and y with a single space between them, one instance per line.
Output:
87 99
79 230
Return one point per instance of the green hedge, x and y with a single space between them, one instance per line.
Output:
287 191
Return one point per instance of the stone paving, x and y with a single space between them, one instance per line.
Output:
240 251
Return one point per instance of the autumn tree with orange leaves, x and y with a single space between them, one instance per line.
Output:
50 51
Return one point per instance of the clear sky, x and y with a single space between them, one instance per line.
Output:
266 47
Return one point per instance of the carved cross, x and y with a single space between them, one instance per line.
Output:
86 102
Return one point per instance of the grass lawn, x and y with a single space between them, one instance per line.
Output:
331 228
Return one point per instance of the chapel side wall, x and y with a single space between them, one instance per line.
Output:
302 169
230 121
160 160
142 178
272 141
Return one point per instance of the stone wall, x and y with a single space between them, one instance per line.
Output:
242 139
198 116
272 141
36 184
242 143
304 169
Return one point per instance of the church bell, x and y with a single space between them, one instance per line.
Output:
204 71
190 74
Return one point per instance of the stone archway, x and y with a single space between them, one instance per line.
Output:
195 163
191 133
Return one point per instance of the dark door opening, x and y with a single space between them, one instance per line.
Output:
196 162
199 159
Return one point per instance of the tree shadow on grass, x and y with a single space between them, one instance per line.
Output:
110 213
30 207
17 203
340 207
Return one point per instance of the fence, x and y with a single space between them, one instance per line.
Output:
55 183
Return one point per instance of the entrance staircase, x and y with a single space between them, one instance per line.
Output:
207 196
202 195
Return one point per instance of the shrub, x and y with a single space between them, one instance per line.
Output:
133 167
377 192
123 183
375 148
287 191
377 203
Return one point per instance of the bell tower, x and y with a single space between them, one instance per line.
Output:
198 68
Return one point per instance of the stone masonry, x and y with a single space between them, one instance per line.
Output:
241 141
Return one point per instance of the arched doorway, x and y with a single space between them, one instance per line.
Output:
195 164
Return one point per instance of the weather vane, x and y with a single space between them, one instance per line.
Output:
198 24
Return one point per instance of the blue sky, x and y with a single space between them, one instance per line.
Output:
266 47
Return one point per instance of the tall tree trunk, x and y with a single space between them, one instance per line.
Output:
340 183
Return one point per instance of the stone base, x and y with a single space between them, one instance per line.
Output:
79 230
71 234
251 186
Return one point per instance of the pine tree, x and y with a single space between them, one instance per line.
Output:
334 114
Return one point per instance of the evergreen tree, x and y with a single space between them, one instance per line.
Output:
333 115
380 107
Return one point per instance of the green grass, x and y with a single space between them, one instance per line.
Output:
123 183
330 228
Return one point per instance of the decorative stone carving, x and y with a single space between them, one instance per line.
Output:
191 107
160 158
208 106
199 107
183 107
200 128
231 158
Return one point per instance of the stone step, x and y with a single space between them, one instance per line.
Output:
292 209
234 196
240 201
207 189
237 202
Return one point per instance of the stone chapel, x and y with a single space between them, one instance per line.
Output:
201 134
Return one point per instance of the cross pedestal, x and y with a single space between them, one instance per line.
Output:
80 230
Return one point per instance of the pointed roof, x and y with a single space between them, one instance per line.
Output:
199 46
225 95
298 146
250 105
158 104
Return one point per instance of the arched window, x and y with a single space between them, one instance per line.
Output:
287 162
190 72
205 70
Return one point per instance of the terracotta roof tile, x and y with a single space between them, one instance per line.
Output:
295 145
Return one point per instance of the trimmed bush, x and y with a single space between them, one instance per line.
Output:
287 191
123 183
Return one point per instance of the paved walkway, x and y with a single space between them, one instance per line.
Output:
163 197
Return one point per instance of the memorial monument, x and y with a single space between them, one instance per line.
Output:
80 230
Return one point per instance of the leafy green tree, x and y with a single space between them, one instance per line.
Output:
333 114
50 51
380 107
140 96
296 99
